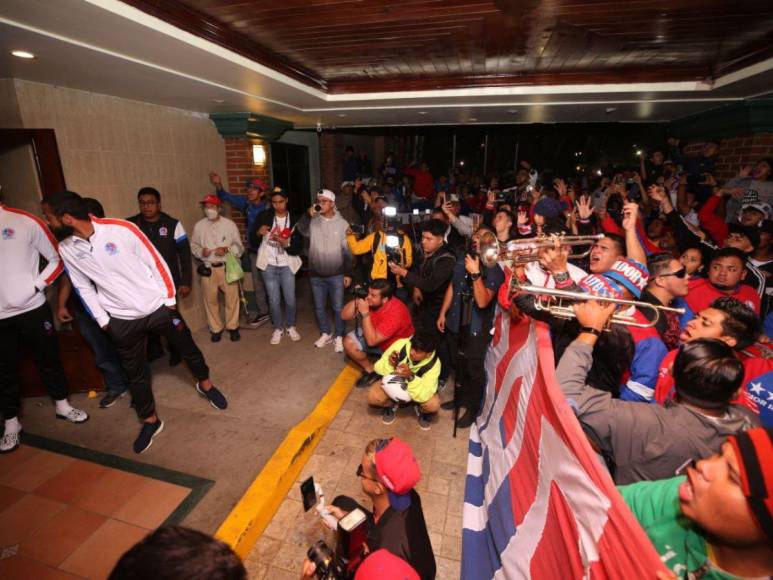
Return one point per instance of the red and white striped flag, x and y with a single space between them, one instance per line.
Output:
538 501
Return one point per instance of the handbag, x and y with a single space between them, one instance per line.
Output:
233 270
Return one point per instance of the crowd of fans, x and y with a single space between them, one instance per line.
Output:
663 354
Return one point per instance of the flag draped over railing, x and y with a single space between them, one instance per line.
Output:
538 501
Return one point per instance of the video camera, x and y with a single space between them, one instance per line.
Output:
351 533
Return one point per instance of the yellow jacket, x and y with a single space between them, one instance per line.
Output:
366 245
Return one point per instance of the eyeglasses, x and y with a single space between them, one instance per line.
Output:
361 473
679 273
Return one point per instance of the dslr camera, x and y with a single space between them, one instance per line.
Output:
392 249
361 291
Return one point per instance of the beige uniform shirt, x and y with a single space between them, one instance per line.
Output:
221 233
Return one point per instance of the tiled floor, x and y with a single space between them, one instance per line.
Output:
62 517
281 549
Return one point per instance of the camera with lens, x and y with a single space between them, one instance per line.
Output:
357 229
392 249
317 208
361 290
341 563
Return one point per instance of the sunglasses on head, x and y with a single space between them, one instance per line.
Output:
679 273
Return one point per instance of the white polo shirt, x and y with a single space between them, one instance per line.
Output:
117 272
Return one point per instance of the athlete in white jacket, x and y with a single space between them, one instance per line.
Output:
25 316
126 286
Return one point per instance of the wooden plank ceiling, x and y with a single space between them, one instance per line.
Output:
345 46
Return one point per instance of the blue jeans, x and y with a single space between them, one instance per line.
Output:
280 283
105 355
321 288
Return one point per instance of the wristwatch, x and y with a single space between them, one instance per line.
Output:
474 276
561 277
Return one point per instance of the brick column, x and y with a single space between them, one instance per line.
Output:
238 156
331 156
735 152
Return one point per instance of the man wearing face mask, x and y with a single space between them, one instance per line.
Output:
213 237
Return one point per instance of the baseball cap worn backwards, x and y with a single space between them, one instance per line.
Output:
398 470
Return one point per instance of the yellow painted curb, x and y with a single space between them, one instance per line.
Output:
247 520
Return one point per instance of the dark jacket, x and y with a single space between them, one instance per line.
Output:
171 241
266 218
432 276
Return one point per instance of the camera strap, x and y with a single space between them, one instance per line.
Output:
421 371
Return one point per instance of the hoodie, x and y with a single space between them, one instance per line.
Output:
645 442
328 250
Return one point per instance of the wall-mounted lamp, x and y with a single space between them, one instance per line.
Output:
259 155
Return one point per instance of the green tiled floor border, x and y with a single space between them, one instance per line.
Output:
199 486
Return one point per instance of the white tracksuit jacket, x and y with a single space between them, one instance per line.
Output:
23 239
117 272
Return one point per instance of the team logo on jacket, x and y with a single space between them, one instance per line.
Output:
48 327
8 233
162 231
111 248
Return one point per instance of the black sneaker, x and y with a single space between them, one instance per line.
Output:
425 421
448 405
109 400
214 396
367 379
388 415
174 359
216 336
466 420
235 336
148 432
259 320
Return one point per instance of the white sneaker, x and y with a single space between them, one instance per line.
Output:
339 344
10 442
293 334
323 340
74 416
276 336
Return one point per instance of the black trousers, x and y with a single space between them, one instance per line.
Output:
426 318
474 379
35 328
130 338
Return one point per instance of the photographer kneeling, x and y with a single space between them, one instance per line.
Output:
411 369
382 319
388 474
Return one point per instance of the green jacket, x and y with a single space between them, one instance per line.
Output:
421 388
678 540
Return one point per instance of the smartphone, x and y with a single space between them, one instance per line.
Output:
308 494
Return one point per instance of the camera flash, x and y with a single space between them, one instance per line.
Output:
392 242
415 212
390 211
427 211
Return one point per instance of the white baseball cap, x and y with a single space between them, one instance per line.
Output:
327 194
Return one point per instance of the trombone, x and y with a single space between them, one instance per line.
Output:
554 301
527 250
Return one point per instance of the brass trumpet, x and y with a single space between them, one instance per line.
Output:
527 250
552 300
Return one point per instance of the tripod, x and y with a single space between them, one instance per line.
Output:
461 345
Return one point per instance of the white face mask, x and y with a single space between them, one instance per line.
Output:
211 213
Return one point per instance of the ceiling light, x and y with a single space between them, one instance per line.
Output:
22 54
472 119
512 111
218 100
422 112
258 154
610 110
599 173
341 115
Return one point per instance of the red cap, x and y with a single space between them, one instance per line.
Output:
210 199
255 183
397 467
384 565
754 451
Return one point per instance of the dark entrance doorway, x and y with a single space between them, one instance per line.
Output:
290 171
